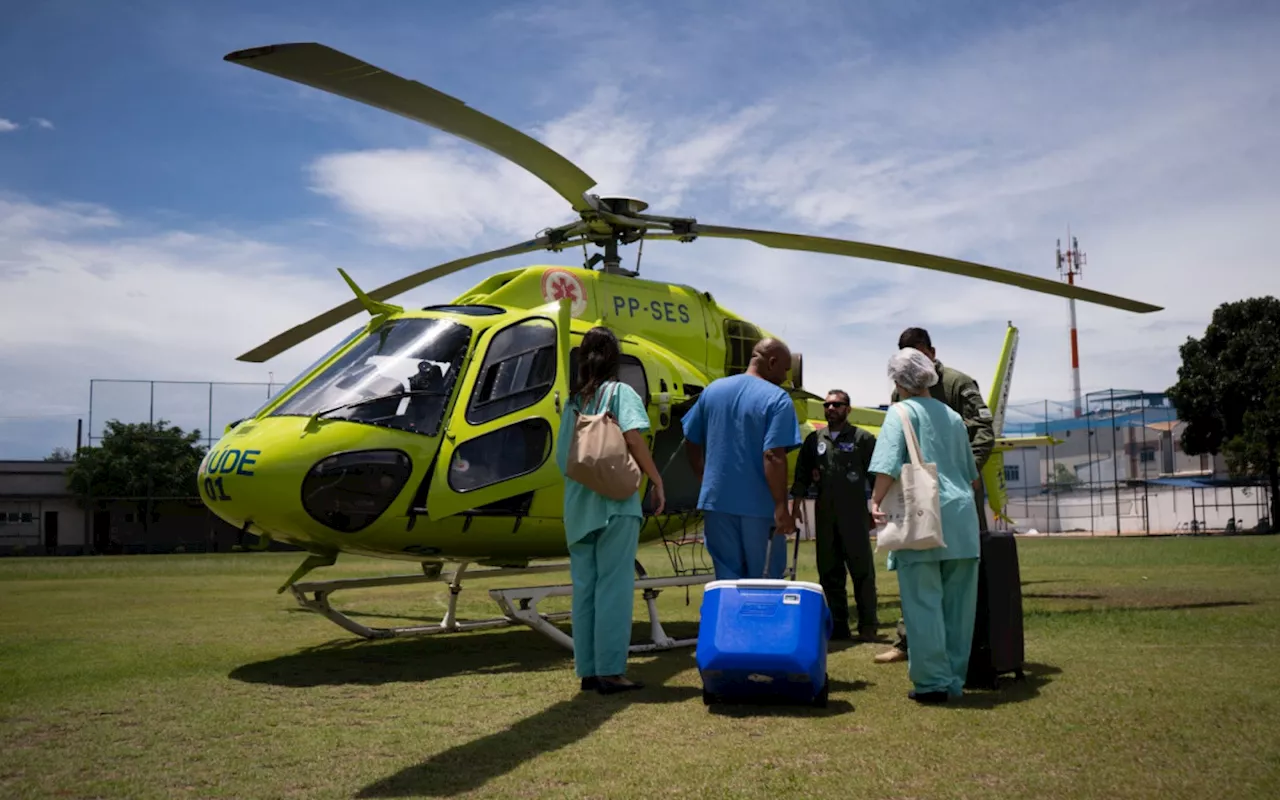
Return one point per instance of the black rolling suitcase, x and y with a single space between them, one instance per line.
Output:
997 632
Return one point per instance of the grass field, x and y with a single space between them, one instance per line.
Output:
1154 672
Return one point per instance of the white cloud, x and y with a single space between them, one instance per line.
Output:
41 122
86 299
6 125
436 198
1157 155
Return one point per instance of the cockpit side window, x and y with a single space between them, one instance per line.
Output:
500 455
519 369
739 339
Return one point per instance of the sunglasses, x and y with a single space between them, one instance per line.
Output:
834 405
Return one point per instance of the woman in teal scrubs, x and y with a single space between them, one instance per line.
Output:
939 587
603 533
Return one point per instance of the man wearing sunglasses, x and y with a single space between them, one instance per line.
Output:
834 461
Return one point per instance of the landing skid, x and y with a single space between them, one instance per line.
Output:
519 606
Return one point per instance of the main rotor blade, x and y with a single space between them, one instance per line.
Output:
300 333
843 247
333 71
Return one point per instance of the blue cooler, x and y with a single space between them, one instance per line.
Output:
764 639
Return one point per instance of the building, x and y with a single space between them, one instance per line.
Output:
39 515
37 512
1122 437
1022 473
1120 467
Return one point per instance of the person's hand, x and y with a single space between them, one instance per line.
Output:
659 497
797 510
878 516
782 520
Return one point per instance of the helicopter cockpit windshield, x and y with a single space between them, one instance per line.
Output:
400 376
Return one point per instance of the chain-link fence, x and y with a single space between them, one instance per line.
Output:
172 518
1117 467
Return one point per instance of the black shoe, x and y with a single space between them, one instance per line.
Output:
613 687
590 683
928 698
841 633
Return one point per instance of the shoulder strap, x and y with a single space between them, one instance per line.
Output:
602 402
913 446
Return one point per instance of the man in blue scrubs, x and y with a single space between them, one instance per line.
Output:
738 434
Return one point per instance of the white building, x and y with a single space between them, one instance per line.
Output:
36 510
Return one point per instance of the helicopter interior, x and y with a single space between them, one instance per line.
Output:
399 376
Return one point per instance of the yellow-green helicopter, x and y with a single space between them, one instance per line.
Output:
428 435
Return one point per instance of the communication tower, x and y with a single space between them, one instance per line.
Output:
1070 264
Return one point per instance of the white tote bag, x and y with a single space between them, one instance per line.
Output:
913 505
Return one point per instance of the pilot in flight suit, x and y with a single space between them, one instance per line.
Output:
834 460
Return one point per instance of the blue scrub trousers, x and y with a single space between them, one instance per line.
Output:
939 602
602 566
737 546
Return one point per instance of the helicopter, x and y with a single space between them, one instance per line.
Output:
428 435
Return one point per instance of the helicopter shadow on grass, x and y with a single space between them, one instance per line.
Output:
469 766
342 662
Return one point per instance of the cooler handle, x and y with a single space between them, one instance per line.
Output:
788 572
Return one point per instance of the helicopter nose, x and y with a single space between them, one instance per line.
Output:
228 477
301 486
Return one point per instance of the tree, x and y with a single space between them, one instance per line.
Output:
1228 391
60 455
139 461
1064 477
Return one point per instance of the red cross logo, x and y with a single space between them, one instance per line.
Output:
559 285
562 287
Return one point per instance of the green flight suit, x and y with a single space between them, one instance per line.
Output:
842 523
960 392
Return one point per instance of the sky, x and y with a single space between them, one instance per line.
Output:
162 211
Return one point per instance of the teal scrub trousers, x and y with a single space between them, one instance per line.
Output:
939 601
602 566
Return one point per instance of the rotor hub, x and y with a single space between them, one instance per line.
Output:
624 205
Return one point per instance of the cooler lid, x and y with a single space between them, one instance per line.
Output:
763 583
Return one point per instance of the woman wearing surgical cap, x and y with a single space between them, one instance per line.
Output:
939 587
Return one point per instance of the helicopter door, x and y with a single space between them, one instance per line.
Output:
500 441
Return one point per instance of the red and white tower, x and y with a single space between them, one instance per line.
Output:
1070 264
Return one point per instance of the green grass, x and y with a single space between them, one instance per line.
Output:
1154 672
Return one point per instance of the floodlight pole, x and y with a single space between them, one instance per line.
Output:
1070 263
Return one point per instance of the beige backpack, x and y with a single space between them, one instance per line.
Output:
598 455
